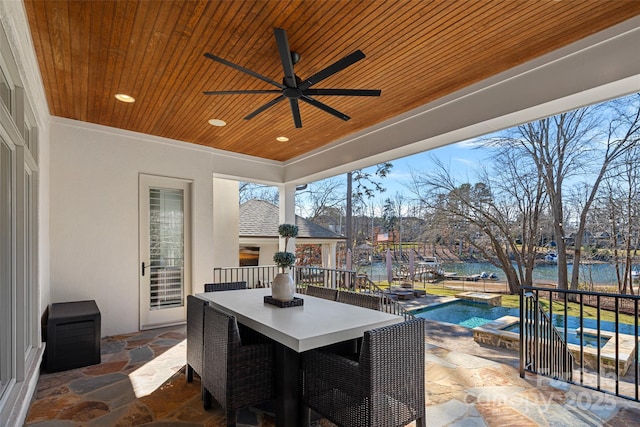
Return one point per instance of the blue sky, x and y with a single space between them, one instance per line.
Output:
461 158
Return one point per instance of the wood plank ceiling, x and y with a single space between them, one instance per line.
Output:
416 51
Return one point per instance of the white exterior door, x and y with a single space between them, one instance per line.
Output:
165 275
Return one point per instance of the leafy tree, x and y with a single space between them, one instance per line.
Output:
390 219
366 186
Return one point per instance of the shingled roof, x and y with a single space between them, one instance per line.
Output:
259 218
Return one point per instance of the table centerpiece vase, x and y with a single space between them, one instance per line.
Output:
283 287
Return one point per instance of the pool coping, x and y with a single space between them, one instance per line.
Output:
481 297
421 303
493 334
429 301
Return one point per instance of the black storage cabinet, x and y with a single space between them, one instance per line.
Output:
73 335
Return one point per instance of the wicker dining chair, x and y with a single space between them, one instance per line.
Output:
235 374
224 286
371 301
322 292
384 388
195 334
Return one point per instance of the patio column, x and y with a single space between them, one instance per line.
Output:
226 212
287 205
329 255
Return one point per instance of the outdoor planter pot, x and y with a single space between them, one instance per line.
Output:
282 288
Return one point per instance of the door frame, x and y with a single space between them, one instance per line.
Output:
147 318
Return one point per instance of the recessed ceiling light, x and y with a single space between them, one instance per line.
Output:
282 139
125 98
217 122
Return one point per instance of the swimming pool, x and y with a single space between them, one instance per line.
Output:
472 314
466 313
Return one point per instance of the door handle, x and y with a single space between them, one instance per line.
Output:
143 267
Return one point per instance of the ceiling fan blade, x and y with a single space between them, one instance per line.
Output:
264 107
295 111
325 107
344 92
239 92
244 70
285 57
337 66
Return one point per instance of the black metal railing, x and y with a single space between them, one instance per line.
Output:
364 284
326 277
256 277
604 352
262 276
543 349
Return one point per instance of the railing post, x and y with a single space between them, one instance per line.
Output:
522 332
550 356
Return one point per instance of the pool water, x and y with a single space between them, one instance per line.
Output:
466 313
472 314
588 339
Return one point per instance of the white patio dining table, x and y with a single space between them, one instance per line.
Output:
317 323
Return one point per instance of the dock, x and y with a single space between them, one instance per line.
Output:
469 278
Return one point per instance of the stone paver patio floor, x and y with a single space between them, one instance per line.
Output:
141 382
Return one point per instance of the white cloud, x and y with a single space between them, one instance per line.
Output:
468 162
470 143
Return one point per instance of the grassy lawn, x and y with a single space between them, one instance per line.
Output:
513 301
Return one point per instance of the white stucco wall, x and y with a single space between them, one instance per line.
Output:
267 250
94 215
226 207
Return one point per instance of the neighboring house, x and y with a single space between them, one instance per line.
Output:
259 240
603 239
602 235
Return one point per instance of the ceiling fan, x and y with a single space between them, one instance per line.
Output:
293 87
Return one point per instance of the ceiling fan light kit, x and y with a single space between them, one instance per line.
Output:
292 87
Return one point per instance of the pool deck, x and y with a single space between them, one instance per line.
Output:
510 405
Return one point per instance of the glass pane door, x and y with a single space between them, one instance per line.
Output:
164 254
166 250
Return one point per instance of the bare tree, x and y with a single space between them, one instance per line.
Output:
503 208
568 144
321 198
250 190
621 190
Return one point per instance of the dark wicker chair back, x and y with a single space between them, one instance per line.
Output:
195 331
384 389
225 286
234 374
371 301
322 292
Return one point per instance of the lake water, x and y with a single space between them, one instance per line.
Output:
603 274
